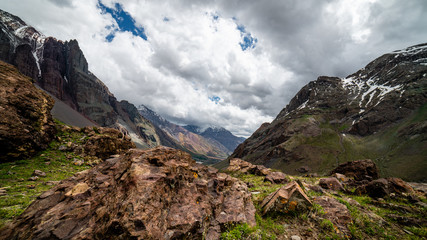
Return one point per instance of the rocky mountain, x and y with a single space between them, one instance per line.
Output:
219 134
197 144
61 69
379 112
223 136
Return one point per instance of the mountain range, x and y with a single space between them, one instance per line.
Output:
378 113
61 69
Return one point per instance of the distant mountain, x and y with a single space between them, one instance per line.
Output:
61 69
192 141
379 112
223 136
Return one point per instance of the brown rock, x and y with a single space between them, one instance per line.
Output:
154 194
336 212
340 177
239 165
359 170
26 125
331 183
39 173
384 187
104 142
276 177
287 198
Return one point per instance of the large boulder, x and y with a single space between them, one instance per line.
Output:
383 187
154 194
26 125
287 198
359 170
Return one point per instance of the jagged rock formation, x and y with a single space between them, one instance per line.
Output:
154 194
378 112
61 69
26 125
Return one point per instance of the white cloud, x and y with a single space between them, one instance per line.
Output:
192 56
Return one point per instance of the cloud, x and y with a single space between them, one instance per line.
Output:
235 64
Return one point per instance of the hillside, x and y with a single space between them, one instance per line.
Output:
378 113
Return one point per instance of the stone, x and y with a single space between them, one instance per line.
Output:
295 237
26 125
386 187
331 183
78 162
239 165
359 170
276 178
39 173
33 178
340 177
161 193
336 212
287 198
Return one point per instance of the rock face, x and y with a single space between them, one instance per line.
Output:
152 194
26 125
62 70
377 111
336 212
359 170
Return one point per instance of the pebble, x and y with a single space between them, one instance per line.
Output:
33 178
39 173
295 237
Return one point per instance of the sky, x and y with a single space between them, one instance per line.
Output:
228 63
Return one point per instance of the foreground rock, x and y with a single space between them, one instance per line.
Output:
153 194
26 125
287 198
359 170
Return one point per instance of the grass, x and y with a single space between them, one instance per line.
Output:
14 176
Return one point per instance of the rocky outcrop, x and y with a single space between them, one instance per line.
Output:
336 212
377 111
153 194
359 170
26 125
383 187
240 166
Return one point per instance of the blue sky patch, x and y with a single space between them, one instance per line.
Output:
165 19
215 99
124 21
247 40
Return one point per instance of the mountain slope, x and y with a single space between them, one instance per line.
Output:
223 136
193 142
61 69
378 112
